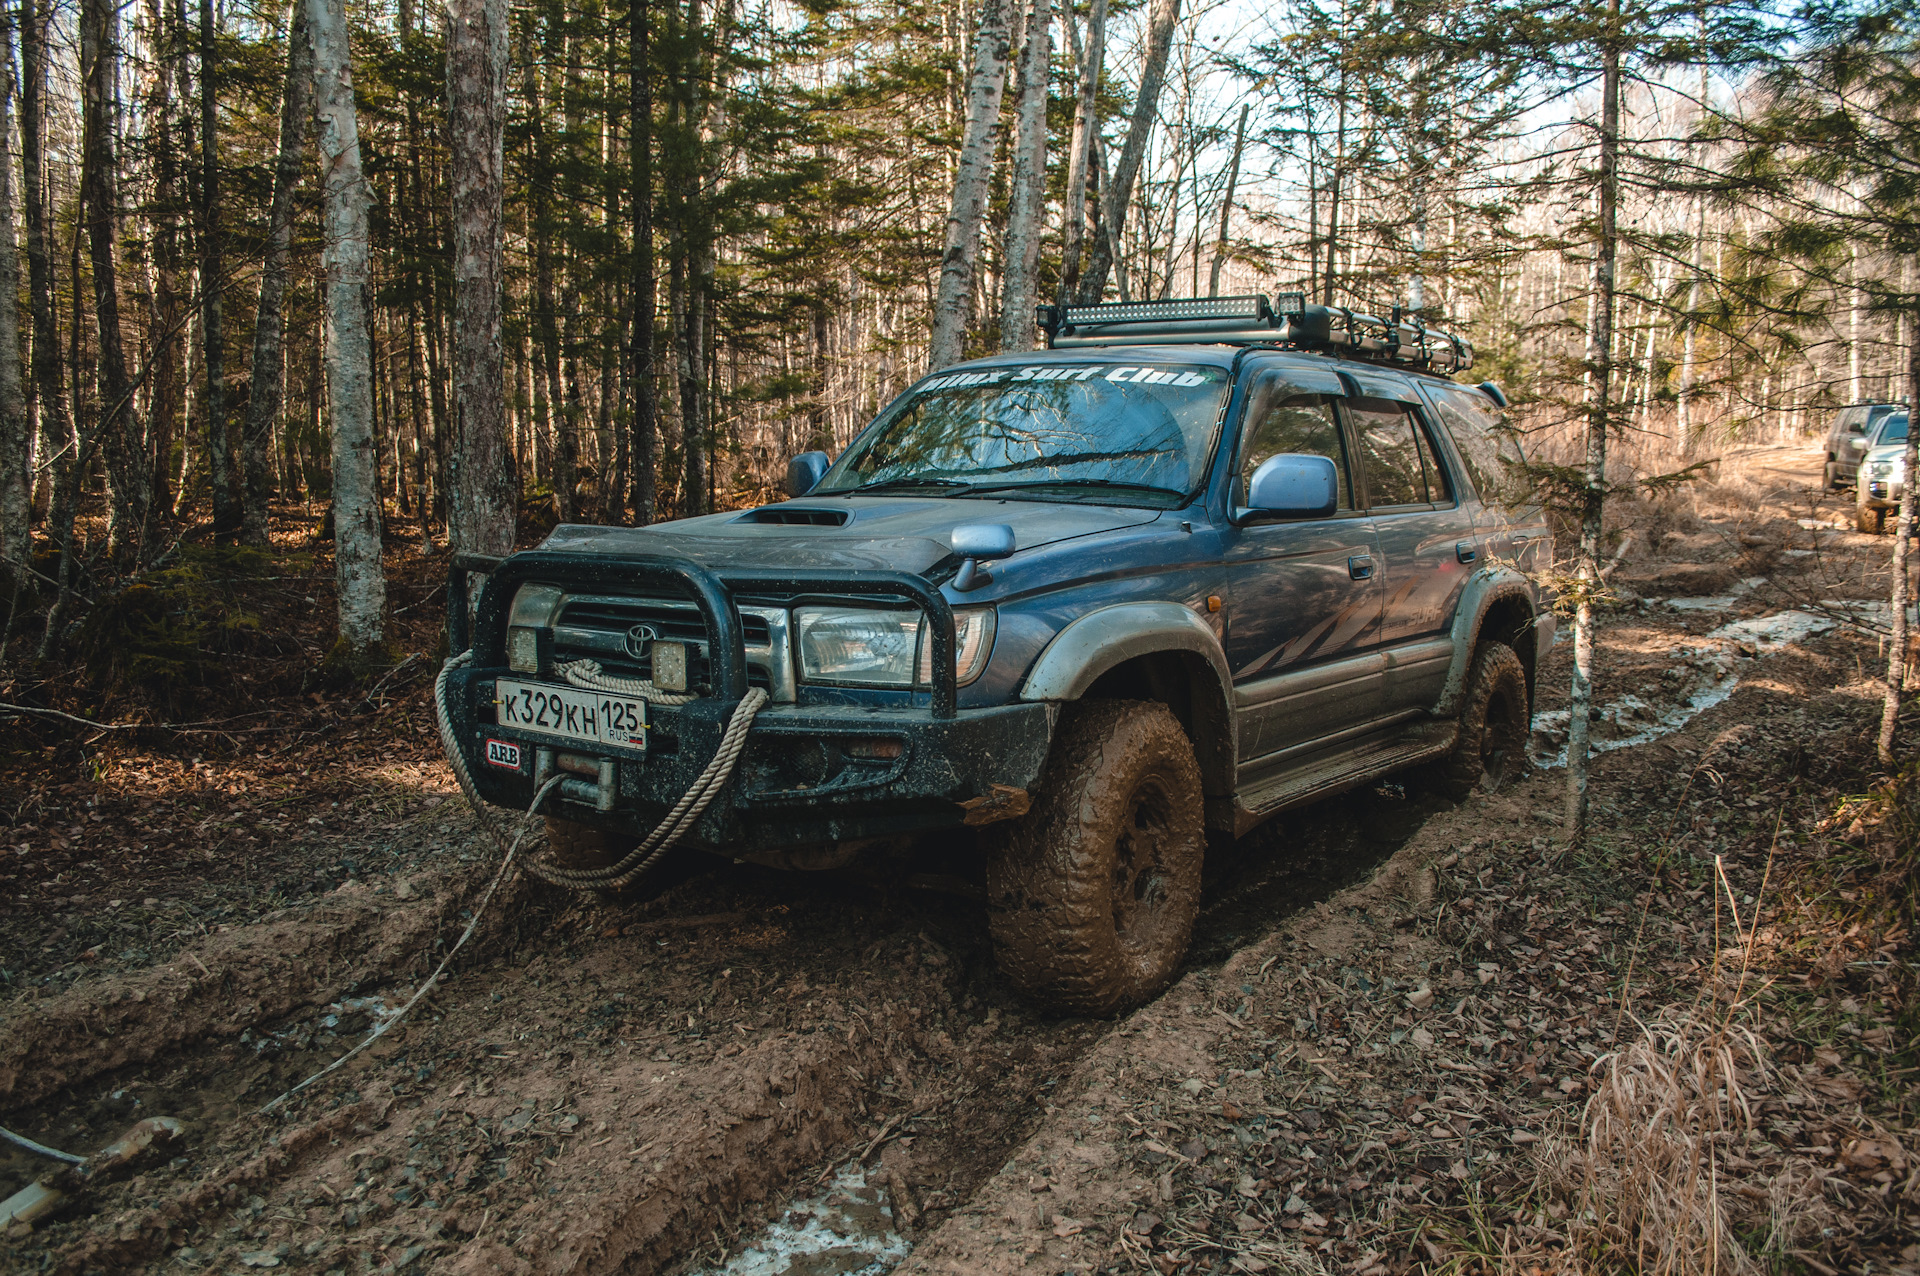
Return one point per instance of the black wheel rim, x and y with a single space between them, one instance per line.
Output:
1141 882
1502 742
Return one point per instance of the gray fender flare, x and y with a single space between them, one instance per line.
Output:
1485 588
1100 640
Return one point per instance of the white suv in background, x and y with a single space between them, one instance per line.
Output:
1848 439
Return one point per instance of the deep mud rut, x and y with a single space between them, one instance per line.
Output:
639 1084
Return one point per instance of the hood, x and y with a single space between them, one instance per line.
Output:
898 533
1884 453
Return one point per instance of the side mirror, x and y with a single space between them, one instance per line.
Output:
1294 485
805 471
977 543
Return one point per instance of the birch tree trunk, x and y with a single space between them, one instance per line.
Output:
483 490
1026 199
1164 16
953 301
1599 407
349 344
119 424
263 404
1898 596
1085 121
16 502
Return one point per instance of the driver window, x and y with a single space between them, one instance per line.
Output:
1298 423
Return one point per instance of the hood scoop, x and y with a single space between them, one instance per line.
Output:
796 516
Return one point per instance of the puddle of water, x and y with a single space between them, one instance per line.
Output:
845 1230
1716 602
1768 634
1709 678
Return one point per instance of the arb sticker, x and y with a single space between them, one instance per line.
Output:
503 753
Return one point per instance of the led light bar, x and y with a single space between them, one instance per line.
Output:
1286 321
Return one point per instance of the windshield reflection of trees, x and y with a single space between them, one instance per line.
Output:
1042 432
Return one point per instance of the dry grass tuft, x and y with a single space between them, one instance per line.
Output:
1667 1113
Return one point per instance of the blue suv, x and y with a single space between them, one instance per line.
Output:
1194 564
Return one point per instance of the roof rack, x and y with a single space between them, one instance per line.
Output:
1285 320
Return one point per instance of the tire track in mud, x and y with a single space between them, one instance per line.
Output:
626 1085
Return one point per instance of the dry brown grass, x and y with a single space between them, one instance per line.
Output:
1650 1182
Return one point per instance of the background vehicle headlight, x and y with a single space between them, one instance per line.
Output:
874 648
530 626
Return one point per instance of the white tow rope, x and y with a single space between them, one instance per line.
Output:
643 857
667 834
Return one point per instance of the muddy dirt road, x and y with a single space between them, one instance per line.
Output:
641 1084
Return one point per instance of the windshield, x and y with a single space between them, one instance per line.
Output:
1892 430
1113 433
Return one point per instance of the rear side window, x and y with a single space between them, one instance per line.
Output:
1397 455
1488 451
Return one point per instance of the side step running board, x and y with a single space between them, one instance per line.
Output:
1328 774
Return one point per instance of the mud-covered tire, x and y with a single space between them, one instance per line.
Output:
1865 517
1495 722
1830 477
1092 894
579 848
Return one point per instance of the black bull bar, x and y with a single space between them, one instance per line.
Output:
712 591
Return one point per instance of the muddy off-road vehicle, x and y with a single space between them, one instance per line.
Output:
1193 564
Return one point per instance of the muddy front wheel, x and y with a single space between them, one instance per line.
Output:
1092 894
1865 517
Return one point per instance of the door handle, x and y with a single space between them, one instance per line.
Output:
1465 551
1360 566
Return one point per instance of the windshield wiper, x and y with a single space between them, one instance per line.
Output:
880 485
1077 483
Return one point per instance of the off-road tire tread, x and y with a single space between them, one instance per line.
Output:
1496 667
1049 875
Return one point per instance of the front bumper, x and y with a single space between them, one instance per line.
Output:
810 773
1880 494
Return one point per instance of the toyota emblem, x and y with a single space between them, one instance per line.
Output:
638 639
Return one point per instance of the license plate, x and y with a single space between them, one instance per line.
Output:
591 717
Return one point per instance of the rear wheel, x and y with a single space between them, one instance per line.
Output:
1830 476
1491 749
1092 894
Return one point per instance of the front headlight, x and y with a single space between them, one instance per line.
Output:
530 625
867 647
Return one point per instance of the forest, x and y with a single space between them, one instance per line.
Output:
313 302
454 269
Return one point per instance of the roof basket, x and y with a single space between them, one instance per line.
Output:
1286 320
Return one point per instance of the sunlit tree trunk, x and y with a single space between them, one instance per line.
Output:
1026 199
1593 494
640 358
1085 120
482 509
953 302
227 516
119 425
1226 204
16 503
263 404
1898 597
1118 193
349 343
